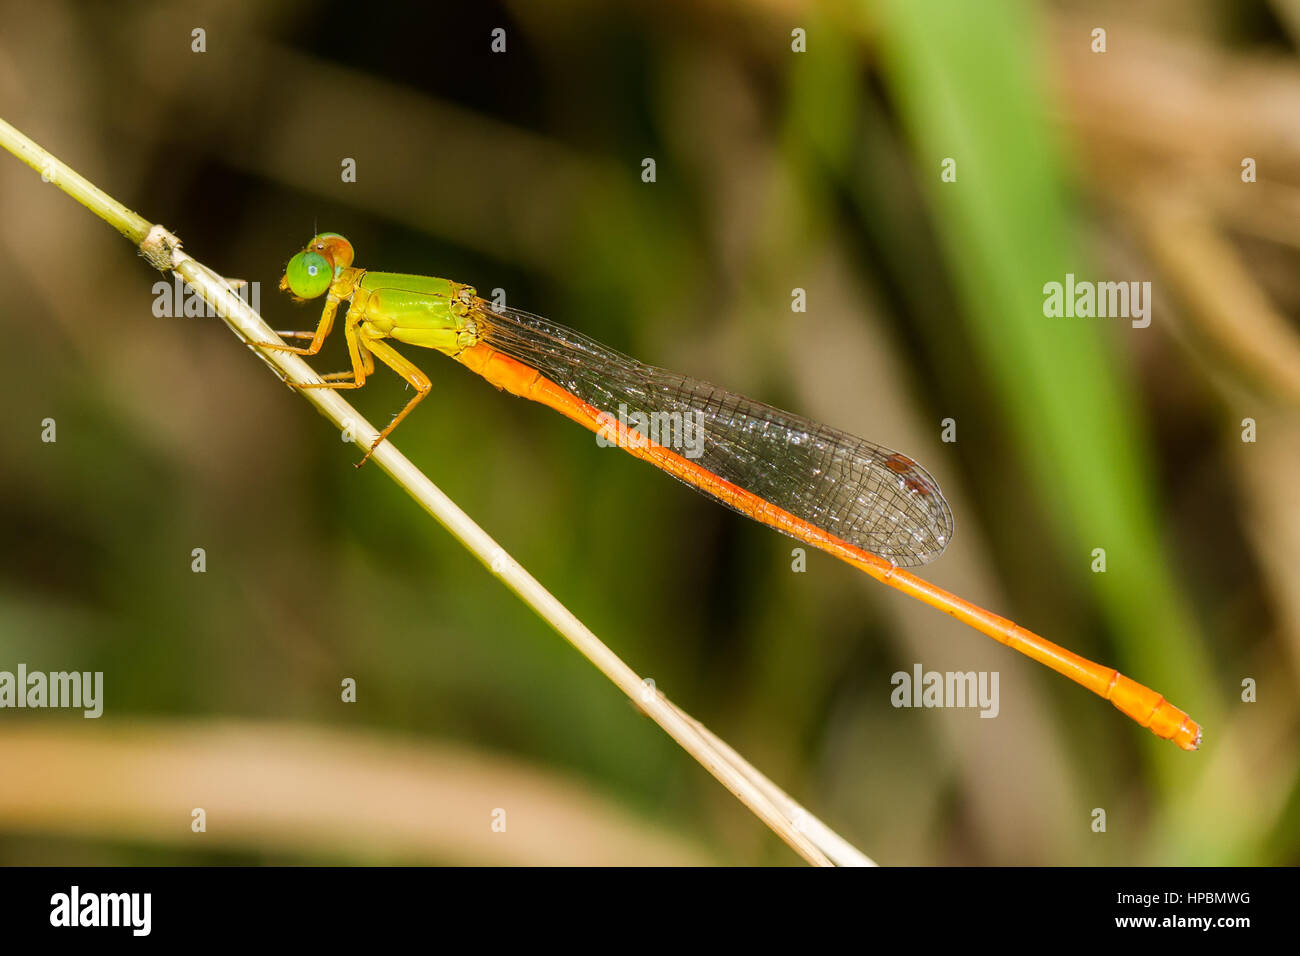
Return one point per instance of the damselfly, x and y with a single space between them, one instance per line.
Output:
874 508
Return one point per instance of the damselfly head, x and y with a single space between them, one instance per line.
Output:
311 272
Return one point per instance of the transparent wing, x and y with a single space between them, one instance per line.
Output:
869 496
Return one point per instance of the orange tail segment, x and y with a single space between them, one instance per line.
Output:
1141 703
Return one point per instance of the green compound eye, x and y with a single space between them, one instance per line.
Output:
309 274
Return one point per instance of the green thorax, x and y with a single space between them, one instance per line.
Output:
400 281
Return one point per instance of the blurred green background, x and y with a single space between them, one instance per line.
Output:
775 170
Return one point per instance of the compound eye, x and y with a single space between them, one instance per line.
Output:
309 275
335 247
